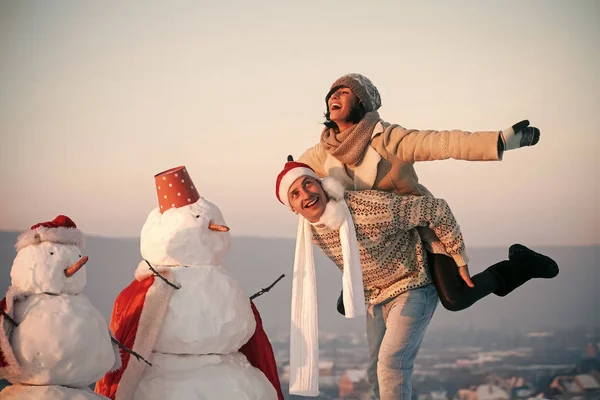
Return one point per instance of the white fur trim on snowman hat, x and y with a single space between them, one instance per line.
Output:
61 235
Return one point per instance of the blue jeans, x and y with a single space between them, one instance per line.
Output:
395 330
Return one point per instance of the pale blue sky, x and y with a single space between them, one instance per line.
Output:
97 97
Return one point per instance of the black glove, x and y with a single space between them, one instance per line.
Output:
520 135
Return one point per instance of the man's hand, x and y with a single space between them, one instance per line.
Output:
464 274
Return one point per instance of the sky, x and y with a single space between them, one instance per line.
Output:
98 97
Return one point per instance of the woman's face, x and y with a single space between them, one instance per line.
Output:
340 105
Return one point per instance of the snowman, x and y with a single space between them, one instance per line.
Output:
184 313
54 343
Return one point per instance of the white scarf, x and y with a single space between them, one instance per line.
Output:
304 335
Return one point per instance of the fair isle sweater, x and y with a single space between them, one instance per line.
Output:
391 251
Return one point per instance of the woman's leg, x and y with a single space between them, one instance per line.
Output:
454 293
501 278
407 317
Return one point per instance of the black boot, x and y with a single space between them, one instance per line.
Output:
340 304
541 266
522 265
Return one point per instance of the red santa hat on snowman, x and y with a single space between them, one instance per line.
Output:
304 343
60 230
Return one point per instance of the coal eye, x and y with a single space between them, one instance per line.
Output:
197 216
51 253
80 256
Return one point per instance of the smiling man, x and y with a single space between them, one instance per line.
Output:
370 235
364 233
307 195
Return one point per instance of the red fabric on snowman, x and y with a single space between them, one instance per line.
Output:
124 325
9 366
10 369
259 353
138 305
3 361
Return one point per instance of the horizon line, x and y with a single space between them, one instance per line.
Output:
100 236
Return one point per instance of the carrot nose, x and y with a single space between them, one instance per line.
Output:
76 267
217 227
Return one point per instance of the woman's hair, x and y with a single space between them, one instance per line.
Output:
357 113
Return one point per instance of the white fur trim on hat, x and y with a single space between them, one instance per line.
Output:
61 235
289 178
335 210
334 215
334 188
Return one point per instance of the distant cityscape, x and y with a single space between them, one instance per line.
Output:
467 365
464 365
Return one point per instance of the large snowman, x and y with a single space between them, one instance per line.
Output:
185 314
54 343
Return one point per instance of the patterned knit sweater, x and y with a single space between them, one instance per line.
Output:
391 251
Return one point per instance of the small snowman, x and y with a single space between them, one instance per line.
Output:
184 313
54 343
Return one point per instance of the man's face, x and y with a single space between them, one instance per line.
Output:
306 196
340 103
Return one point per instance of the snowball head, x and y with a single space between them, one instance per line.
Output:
210 313
61 340
207 377
40 268
52 392
180 236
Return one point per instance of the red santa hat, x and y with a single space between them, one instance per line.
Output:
291 171
304 336
61 230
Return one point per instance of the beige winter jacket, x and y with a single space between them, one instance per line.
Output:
387 164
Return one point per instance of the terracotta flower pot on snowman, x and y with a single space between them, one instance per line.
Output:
53 343
185 314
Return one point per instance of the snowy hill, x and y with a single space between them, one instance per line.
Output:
568 300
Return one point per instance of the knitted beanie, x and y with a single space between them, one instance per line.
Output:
362 87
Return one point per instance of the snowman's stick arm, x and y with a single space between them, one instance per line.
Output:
161 277
127 349
12 321
265 290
